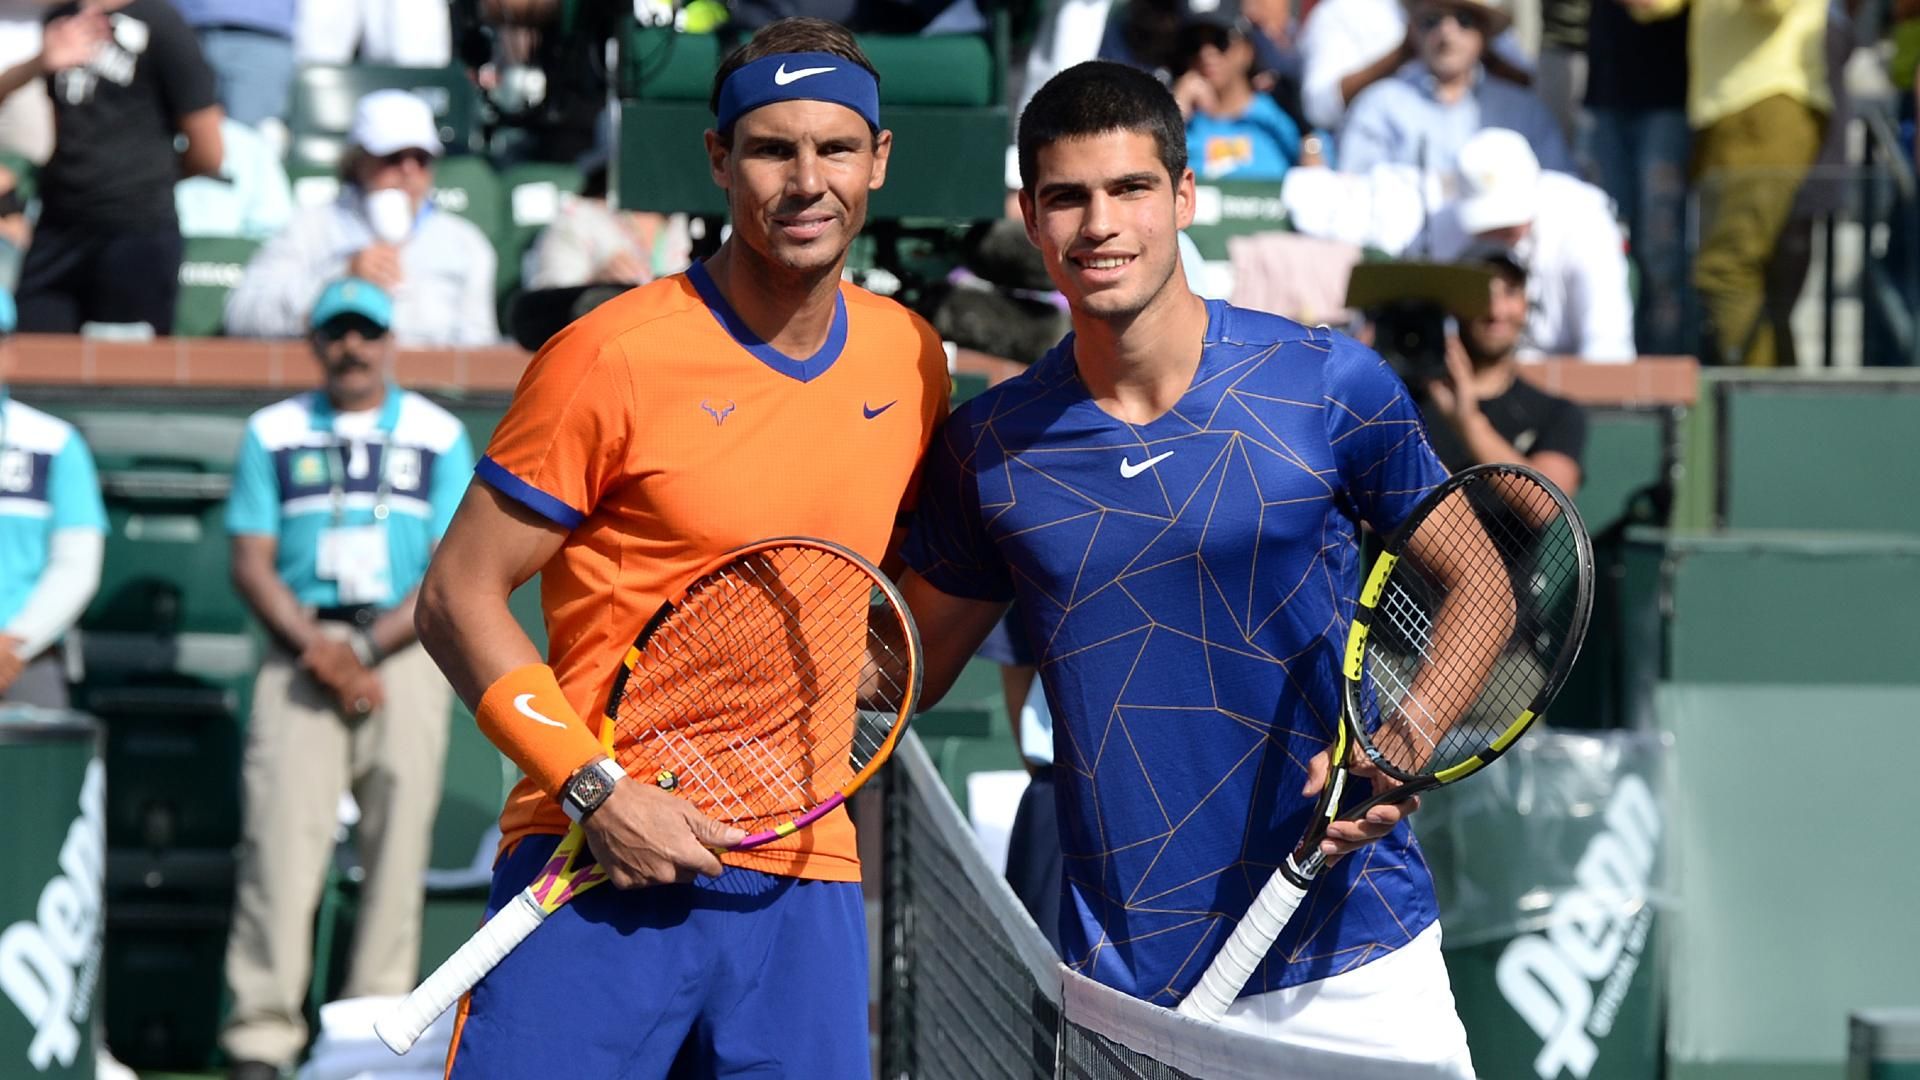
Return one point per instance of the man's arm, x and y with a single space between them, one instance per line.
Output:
1457 401
951 630
642 835
1352 83
64 43
280 283
205 153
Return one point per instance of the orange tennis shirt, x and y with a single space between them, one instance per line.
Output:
663 433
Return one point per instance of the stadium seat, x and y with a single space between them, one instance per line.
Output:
26 174
321 107
941 95
469 188
210 267
533 192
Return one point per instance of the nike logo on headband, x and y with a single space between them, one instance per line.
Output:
781 76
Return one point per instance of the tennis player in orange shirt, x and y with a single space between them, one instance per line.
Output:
755 395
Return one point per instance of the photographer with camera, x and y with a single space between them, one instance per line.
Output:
1480 410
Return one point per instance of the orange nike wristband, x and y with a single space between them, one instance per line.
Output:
528 718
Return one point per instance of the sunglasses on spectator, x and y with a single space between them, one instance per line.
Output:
1431 19
399 157
341 325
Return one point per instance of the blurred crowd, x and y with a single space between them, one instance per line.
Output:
1651 189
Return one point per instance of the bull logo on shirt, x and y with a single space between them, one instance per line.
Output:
720 412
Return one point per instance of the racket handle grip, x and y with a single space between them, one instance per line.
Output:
404 1025
1249 944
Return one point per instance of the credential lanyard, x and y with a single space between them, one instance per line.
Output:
337 463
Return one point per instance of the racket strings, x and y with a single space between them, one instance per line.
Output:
1471 624
770 686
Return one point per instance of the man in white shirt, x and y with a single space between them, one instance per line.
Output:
1348 45
438 268
1561 229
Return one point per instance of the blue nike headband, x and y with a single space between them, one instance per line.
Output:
802 76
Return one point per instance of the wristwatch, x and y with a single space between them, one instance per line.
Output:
588 788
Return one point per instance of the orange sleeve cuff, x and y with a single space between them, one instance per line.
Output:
528 718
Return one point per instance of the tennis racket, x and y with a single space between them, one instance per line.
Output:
1465 630
766 692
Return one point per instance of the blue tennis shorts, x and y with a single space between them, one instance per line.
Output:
746 974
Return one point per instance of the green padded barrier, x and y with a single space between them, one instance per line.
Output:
1826 454
210 268
1227 208
469 188
1628 451
939 69
165 476
320 110
1753 607
1794 869
163 982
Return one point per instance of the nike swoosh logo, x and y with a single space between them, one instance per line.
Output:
872 412
781 76
1129 470
520 705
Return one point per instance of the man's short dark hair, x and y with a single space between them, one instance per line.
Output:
801 33
1501 262
1096 98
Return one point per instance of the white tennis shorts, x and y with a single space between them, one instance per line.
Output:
1397 1008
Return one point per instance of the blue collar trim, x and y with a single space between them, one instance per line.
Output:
804 370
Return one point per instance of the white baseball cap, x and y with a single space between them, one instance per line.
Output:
388 121
1499 181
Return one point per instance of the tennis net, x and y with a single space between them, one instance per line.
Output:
969 987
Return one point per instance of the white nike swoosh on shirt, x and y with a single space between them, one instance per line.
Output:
781 76
526 710
1129 470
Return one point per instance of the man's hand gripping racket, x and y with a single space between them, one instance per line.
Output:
1465 630
770 689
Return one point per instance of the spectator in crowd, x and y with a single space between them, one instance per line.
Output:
1348 45
249 45
339 496
1233 130
127 79
16 232
1425 112
53 529
1277 64
250 197
403 33
26 117
438 268
1637 146
1758 100
1562 230
1482 411
592 242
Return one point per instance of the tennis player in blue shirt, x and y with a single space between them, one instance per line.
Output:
1174 494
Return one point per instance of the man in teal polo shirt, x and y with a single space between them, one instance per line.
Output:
53 529
339 496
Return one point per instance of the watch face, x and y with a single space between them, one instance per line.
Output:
589 789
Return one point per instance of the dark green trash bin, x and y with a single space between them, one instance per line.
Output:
1548 870
1883 1044
53 801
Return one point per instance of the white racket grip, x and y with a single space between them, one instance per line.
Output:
1244 950
402 1027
